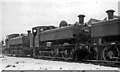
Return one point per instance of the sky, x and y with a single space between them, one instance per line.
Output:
18 16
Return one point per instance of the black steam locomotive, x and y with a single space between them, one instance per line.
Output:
101 41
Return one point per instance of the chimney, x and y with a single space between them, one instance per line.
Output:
81 19
28 32
110 14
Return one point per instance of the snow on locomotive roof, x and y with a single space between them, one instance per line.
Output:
19 36
16 37
43 26
58 29
106 21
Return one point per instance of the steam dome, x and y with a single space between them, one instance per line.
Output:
63 23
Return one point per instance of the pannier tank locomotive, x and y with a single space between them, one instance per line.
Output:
100 41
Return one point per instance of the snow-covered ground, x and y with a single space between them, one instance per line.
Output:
15 63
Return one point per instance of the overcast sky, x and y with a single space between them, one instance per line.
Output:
20 16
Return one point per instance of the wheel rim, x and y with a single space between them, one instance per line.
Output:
111 54
68 54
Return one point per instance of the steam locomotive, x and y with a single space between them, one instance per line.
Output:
101 41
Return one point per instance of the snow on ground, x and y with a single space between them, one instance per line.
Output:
0 62
15 63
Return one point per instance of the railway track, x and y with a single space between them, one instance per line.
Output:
95 62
